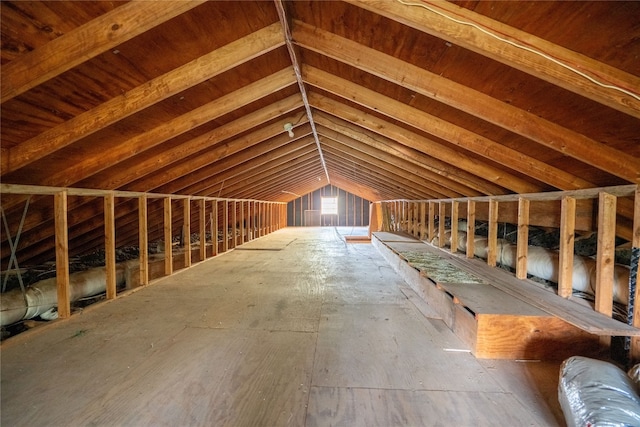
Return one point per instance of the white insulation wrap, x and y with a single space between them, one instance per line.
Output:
544 264
597 393
42 296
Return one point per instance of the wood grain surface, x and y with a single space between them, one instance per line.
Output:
317 332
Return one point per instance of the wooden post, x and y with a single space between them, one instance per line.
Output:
186 206
605 255
250 235
225 226
471 228
454 226
234 224
168 237
492 248
423 219
405 216
214 226
634 289
110 245
567 243
203 229
432 220
441 220
522 248
143 240
242 225
259 217
62 254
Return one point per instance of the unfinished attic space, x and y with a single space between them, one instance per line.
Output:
320 213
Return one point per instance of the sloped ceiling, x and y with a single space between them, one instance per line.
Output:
390 99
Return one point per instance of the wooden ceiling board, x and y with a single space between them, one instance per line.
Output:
217 175
506 138
306 151
249 186
615 23
356 163
384 188
26 26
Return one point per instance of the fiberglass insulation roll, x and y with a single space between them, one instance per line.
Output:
597 393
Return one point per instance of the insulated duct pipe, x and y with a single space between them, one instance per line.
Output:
42 296
545 264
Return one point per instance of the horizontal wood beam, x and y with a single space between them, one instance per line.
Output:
143 96
515 48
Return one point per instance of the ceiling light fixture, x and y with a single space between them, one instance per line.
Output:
289 128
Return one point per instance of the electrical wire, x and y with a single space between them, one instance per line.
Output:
519 46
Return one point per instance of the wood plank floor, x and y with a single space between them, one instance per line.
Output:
298 328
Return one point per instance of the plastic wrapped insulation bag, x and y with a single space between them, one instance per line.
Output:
597 393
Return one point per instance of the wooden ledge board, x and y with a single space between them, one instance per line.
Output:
573 313
357 239
486 299
385 237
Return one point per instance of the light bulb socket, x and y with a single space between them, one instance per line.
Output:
289 128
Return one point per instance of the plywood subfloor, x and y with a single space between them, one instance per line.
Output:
302 330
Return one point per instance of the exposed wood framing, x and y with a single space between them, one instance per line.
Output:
143 239
471 227
492 246
62 253
201 69
214 226
567 241
523 238
186 230
439 19
284 21
475 103
605 258
168 237
85 42
454 225
110 245
202 225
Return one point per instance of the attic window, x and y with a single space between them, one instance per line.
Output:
329 206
